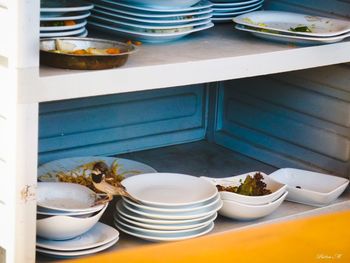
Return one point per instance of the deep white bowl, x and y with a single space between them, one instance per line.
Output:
276 188
66 227
66 197
316 189
239 211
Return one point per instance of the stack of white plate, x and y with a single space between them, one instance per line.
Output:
171 207
225 10
293 27
67 221
243 207
151 21
64 18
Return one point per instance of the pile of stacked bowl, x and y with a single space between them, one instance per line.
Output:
243 207
169 207
225 10
64 18
152 21
67 221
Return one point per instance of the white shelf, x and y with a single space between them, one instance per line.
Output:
214 55
203 158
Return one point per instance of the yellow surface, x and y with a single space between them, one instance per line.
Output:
323 238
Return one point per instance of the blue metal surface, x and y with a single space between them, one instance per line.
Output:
109 125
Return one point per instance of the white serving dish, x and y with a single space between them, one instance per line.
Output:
149 231
317 189
276 188
53 6
239 211
283 21
235 13
143 219
123 4
191 225
142 26
66 197
66 227
169 189
99 235
176 216
47 172
76 253
165 237
149 15
79 24
65 16
63 33
230 3
155 209
152 21
294 39
237 8
161 4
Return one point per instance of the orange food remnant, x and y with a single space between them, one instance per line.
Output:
69 23
112 51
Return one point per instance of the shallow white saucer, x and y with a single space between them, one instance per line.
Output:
99 235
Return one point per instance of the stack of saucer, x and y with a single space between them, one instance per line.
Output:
171 207
225 10
293 28
67 221
150 21
64 18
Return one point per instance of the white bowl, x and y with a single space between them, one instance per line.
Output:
67 197
161 4
235 210
276 188
316 189
66 227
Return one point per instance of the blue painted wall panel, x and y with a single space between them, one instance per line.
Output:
121 123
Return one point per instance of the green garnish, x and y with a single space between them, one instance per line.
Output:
300 29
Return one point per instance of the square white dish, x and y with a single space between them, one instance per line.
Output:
276 188
316 189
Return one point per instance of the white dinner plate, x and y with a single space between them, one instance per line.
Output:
84 34
148 231
283 21
147 14
236 8
148 37
161 4
230 3
152 21
66 16
67 197
198 223
232 14
174 216
48 171
63 33
64 6
292 39
99 235
79 24
165 237
169 189
136 26
139 218
170 210
309 187
71 254
117 5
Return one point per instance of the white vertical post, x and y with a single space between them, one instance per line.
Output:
21 132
